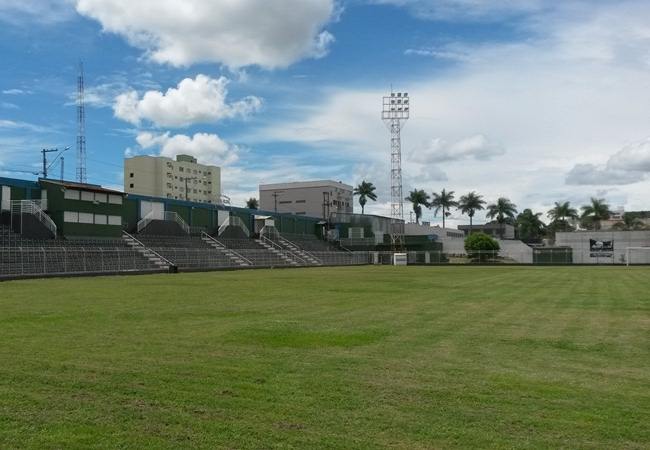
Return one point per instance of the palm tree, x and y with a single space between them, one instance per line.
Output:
365 191
596 211
469 204
444 201
529 225
560 215
252 203
503 210
418 198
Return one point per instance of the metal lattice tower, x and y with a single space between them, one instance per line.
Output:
81 122
395 111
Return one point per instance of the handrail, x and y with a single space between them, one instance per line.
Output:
170 216
306 252
30 207
235 222
277 246
171 264
142 223
239 255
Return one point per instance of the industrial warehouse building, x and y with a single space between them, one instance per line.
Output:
183 179
307 198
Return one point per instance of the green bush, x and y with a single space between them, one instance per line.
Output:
481 247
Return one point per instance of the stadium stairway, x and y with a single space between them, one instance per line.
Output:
152 256
275 249
234 256
295 249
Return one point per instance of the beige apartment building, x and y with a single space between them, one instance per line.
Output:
307 198
183 179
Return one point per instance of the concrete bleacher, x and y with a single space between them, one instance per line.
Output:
23 256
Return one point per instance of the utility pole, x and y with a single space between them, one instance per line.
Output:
45 151
62 165
326 205
276 194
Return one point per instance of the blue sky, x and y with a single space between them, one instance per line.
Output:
539 101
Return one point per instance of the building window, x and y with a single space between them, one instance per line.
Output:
115 199
131 185
180 169
300 201
86 218
301 213
131 175
285 202
115 220
87 196
101 219
71 195
70 216
101 198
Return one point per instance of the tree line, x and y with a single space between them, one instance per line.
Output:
528 224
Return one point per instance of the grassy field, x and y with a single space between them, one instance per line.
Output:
418 357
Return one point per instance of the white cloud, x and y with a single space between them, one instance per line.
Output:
593 175
629 165
16 12
15 92
238 33
476 147
206 148
466 10
567 94
634 157
199 100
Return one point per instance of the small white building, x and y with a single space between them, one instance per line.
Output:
307 198
606 247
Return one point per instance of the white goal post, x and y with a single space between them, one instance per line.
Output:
629 251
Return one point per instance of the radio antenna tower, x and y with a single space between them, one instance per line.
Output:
81 122
395 113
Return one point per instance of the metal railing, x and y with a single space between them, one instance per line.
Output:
70 260
301 251
226 249
169 216
233 221
33 208
141 248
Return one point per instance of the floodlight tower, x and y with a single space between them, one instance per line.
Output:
395 112
81 123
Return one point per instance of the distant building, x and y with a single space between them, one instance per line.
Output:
307 198
494 229
183 179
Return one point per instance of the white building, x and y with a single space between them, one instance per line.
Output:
307 198
183 179
607 247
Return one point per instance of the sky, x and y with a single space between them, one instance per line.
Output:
537 101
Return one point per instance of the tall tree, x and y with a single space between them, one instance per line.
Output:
252 203
529 225
469 204
443 201
595 212
560 215
418 198
503 211
365 190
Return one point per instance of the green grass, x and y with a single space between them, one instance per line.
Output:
417 357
